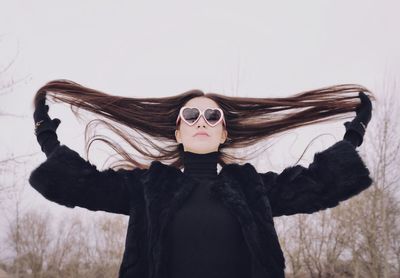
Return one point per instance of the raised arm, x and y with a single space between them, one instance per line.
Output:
67 179
335 174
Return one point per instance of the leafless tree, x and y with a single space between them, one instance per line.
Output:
30 236
361 236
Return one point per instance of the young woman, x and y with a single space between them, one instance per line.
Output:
200 223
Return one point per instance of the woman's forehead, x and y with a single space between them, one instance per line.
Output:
201 103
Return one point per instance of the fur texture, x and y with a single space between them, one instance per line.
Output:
151 197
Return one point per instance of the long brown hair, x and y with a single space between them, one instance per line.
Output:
248 120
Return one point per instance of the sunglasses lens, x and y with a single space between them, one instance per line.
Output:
212 115
190 114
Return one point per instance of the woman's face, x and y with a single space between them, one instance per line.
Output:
201 144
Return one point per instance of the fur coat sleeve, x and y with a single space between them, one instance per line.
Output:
67 179
335 174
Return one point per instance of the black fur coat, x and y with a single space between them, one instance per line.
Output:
151 196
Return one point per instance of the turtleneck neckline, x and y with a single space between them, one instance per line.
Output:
200 165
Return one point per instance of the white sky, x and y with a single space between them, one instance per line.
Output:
148 48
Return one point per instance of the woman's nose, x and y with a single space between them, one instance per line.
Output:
201 121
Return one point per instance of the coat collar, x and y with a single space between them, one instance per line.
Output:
232 176
238 187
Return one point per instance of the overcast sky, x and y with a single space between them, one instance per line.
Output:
147 48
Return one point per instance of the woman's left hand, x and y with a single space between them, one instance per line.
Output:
364 109
355 129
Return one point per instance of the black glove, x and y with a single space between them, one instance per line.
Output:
45 128
355 129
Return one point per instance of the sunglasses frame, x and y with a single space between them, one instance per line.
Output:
180 116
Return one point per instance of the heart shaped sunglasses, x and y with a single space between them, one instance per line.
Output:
192 114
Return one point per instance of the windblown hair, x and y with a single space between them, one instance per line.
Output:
248 120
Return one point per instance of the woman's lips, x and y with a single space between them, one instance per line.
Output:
202 134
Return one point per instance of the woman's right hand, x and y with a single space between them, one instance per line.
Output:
45 128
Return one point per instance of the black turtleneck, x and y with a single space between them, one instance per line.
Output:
200 165
204 238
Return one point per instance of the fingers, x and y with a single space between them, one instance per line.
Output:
364 109
364 98
365 103
41 102
41 112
